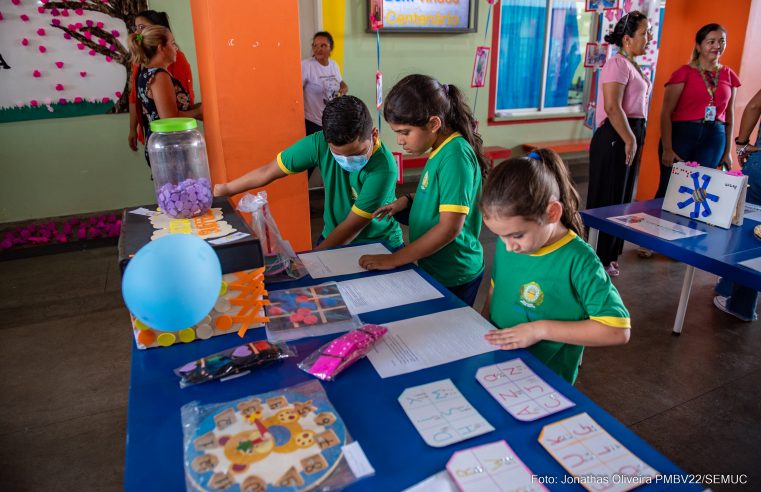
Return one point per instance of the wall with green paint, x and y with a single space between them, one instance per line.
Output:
449 58
68 166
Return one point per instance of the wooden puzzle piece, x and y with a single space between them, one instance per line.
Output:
250 407
225 419
327 439
206 441
324 418
292 478
205 462
304 408
221 481
277 402
253 484
313 464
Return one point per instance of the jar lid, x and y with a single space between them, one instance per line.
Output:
167 125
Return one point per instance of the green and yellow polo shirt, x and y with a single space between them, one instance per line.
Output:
361 192
563 281
451 182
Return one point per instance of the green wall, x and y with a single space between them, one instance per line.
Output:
68 166
449 58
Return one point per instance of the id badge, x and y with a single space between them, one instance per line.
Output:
710 113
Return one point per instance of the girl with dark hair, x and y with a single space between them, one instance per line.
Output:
321 81
160 95
548 286
179 69
698 108
444 219
621 114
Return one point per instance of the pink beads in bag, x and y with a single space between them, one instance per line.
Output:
333 357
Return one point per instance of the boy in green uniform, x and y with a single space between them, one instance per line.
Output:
358 171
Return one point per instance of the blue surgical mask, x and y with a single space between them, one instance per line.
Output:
351 163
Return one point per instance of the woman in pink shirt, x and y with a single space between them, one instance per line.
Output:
621 115
697 116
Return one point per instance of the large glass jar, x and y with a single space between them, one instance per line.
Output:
180 167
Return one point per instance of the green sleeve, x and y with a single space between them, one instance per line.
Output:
456 183
597 294
379 185
302 155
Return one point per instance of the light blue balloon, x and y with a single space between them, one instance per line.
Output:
172 283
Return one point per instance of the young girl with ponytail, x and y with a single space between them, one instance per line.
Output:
548 286
444 219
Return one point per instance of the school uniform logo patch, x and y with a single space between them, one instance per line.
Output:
424 183
532 295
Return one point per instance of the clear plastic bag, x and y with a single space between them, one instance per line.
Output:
289 439
233 361
280 261
332 358
303 312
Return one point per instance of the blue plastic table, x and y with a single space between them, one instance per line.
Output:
719 251
367 404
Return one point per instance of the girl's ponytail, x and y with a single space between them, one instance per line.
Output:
569 197
461 118
144 45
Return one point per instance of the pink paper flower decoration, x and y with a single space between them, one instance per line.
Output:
101 41
56 22
112 47
36 74
79 11
59 64
77 99
106 99
59 87
44 1
41 31
41 10
55 12
25 42
33 103
99 25
118 94
65 13
24 17
66 35
42 49
83 74
80 46
62 101
91 52
1 16
115 33
89 23
88 35
108 59
16 2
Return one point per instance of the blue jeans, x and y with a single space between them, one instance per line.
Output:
703 143
742 300
468 292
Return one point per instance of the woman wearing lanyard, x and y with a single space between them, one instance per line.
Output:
615 150
698 115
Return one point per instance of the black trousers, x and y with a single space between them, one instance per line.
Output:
611 181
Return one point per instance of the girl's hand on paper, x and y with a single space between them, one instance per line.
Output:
377 262
519 336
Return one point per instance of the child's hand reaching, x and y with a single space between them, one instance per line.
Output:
391 209
519 336
377 262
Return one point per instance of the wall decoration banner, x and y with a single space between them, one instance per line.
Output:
64 58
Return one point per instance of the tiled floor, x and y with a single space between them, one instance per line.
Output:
64 372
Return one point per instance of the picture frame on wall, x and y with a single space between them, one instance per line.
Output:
595 55
480 66
595 5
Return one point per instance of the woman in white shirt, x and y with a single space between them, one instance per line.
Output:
321 81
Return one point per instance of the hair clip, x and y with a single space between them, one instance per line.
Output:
445 87
535 155
139 38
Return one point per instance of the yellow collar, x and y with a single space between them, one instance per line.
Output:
545 250
449 139
376 145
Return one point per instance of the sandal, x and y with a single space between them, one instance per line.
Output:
643 252
612 269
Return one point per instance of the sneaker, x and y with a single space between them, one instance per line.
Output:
721 303
612 269
643 252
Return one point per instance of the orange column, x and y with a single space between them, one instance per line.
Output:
250 76
680 23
